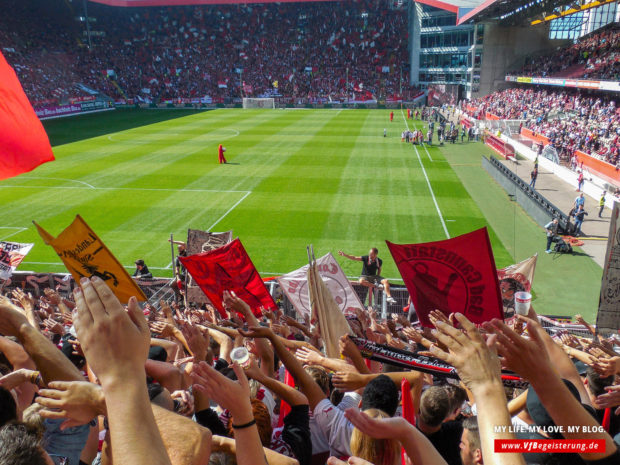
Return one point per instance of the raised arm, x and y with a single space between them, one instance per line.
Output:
288 394
350 257
263 348
50 361
479 368
529 358
305 382
116 342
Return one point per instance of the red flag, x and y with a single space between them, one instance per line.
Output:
455 275
229 268
23 142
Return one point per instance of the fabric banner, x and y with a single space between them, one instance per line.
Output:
515 278
85 255
11 255
325 312
418 362
23 142
454 275
608 316
229 268
295 286
197 242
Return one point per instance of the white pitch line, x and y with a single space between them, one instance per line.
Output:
428 154
123 188
169 266
430 188
12 234
229 210
59 179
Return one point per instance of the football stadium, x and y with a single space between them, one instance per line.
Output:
324 232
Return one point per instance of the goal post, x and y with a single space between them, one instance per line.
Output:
259 103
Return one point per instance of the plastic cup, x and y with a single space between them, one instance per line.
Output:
241 356
522 302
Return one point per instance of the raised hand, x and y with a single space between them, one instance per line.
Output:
53 296
115 341
162 329
78 402
308 357
185 403
227 393
348 381
528 357
257 331
476 363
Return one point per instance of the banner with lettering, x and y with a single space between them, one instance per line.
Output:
295 286
85 255
427 364
608 316
454 275
11 255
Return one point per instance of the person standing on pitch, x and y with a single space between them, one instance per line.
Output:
391 116
371 273
220 154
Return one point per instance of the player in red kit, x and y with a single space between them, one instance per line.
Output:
220 154
391 116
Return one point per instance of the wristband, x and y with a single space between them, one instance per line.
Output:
247 425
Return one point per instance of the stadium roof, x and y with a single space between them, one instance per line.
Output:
140 3
521 12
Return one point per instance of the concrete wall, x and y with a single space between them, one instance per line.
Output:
505 50
415 24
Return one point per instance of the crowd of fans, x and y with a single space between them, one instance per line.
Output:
570 121
86 380
596 56
324 50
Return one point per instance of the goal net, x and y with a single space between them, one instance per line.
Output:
259 103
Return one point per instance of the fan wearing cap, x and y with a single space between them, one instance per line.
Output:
142 271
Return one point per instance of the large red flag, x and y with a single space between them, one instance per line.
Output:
455 275
229 268
23 142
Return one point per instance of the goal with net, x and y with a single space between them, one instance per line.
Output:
259 103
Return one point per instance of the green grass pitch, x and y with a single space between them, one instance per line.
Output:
295 177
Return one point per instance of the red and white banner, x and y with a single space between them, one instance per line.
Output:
295 286
454 275
197 242
515 278
11 255
229 268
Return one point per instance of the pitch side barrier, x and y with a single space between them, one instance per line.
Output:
535 204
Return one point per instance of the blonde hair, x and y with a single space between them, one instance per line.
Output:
376 451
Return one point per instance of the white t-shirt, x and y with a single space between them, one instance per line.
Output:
331 423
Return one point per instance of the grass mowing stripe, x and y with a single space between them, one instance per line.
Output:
430 188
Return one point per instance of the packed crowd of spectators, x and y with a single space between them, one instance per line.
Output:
596 56
571 121
86 380
335 50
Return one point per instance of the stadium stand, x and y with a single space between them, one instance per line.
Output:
596 56
570 121
301 51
